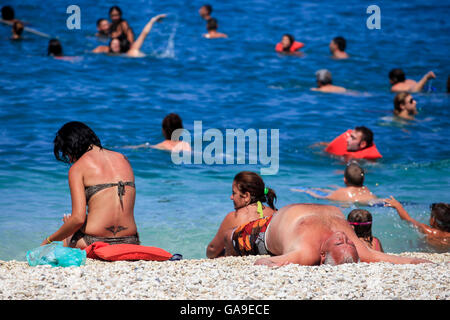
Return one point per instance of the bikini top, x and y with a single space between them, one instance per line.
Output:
91 190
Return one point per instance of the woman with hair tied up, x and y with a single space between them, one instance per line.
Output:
248 195
100 179
361 222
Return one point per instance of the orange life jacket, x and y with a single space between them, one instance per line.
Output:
339 147
294 47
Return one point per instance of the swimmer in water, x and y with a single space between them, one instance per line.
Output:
103 26
354 190
212 26
438 232
205 11
288 45
248 194
399 82
361 222
170 123
405 106
122 46
337 48
119 27
55 48
324 83
17 30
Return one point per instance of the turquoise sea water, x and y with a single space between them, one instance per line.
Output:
239 82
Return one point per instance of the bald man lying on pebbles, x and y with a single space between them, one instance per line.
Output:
305 234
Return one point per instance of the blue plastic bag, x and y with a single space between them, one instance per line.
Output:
56 255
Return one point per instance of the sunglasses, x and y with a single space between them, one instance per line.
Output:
411 100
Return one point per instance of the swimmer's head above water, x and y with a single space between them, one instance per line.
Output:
118 46
287 40
170 123
361 221
103 27
354 175
360 138
54 48
396 76
7 13
440 216
323 77
205 11
248 188
405 105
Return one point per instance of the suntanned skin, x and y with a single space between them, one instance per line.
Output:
434 236
243 213
298 234
106 216
346 194
410 85
329 88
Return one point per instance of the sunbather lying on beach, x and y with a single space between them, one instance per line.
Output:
100 179
355 191
305 234
248 194
122 45
438 232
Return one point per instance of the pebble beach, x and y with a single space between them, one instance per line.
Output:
230 278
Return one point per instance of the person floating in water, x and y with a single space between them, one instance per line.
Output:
324 83
122 46
170 123
55 48
212 26
288 45
205 11
103 27
305 234
399 82
17 30
361 222
405 106
438 232
119 27
337 48
357 143
101 180
248 195
354 190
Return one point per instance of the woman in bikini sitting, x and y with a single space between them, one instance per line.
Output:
100 179
248 194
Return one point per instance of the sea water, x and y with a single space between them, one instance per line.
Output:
239 82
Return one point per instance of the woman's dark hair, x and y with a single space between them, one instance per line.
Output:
73 140
115 8
340 42
397 75
7 13
247 181
211 24
54 48
441 213
170 123
291 39
362 231
123 43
